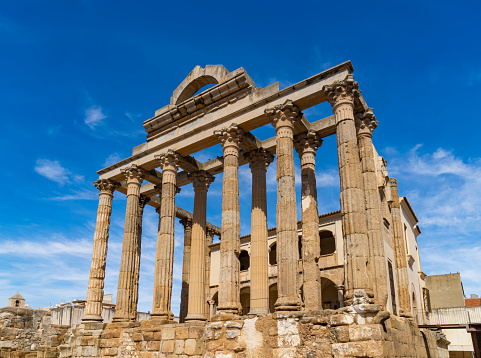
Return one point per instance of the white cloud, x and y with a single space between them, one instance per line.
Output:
85 194
327 178
112 159
53 170
94 116
25 248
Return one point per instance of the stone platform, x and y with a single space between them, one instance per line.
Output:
356 331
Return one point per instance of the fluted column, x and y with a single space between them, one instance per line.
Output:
259 298
341 96
184 293
208 241
164 258
283 118
197 299
399 251
143 200
95 293
365 123
125 309
306 145
229 293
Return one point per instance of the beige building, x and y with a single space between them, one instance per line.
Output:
331 260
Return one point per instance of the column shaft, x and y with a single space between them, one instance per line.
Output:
259 290
365 124
399 251
125 309
95 293
283 118
184 294
356 245
209 240
306 146
201 181
164 258
229 293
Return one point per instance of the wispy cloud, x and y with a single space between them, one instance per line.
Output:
84 194
112 159
53 170
94 116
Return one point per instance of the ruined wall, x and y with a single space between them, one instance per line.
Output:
328 333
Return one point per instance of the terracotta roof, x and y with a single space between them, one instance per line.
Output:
472 302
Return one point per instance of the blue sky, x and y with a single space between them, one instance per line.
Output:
78 79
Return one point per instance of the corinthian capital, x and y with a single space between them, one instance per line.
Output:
230 137
284 115
106 185
134 173
143 200
365 122
345 90
169 160
201 179
260 159
308 141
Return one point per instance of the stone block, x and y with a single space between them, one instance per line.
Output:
167 347
168 333
148 336
179 346
232 333
364 333
341 319
190 346
350 349
157 335
182 333
341 333
213 346
196 332
137 337
153 346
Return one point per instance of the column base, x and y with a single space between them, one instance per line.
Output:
195 317
258 311
288 304
162 316
92 318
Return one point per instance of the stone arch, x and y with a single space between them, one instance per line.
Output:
330 299
198 78
245 299
272 297
244 260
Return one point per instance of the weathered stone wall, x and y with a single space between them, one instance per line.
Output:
329 333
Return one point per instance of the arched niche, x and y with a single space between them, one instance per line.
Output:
198 78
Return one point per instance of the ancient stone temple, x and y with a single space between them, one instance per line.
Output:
359 253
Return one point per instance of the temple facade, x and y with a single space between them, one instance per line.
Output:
333 285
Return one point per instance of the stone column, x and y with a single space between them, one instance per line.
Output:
259 299
341 96
283 118
197 299
95 293
306 145
164 258
125 310
365 124
340 295
184 293
143 200
399 251
229 293
209 241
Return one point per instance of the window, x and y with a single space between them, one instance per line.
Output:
244 260
273 255
328 243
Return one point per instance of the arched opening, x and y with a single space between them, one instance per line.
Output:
245 298
329 294
328 242
17 303
272 297
414 305
213 308
273 254
244 260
